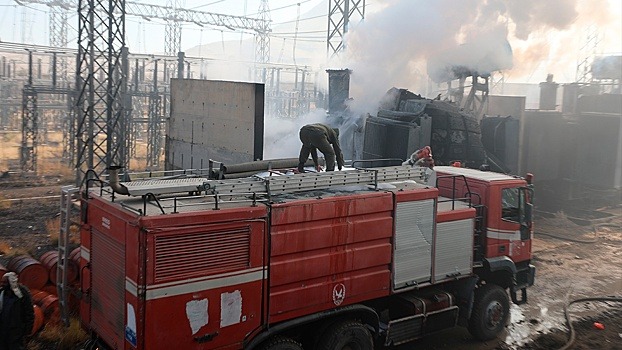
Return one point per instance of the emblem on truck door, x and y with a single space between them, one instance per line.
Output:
339 293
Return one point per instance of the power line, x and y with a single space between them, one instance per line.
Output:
282 7
205 5
303 19
308 32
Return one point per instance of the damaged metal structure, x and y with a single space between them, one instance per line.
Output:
409 121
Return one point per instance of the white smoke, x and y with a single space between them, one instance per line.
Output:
393 46
281 138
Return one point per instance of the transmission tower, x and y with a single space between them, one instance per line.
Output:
58 26
174 14
262 38
101 85
586 55
154 126
340 14
172 38
28 150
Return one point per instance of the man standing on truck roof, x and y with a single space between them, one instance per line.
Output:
322 137
16 313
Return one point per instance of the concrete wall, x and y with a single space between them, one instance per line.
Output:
548 145
513 106
506 106
218 120
600 151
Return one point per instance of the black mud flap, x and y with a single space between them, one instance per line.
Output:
524 278
515 300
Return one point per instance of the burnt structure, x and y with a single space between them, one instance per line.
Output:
406 122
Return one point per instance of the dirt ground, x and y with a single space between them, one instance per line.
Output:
575 258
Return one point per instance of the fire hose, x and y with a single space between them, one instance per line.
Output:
569 322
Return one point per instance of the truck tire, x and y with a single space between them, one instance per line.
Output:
491 310
348 334
282 343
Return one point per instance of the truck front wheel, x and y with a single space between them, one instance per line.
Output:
282 343
491 310
351 335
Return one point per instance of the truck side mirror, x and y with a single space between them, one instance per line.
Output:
528 212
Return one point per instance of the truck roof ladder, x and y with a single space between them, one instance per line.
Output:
274 185
257 188
68 194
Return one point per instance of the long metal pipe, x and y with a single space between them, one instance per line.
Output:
263 165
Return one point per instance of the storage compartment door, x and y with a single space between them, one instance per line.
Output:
414 230
454 249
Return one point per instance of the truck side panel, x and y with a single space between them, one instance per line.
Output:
205 282
105 234
329 252
453 244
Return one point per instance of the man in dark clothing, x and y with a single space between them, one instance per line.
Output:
322 137
16 313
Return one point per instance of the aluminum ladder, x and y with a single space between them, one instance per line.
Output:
273 185
68 194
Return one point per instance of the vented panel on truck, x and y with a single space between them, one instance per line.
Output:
453 254
414 229
108 288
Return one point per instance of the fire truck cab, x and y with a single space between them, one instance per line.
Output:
352 259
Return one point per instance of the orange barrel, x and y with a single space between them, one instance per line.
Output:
3 270
31 273
50 288
48 304
75 256
38 296
50 261
38 323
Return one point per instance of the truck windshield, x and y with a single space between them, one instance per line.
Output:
511 208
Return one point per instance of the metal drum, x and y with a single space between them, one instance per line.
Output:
31 273
38 323
50 261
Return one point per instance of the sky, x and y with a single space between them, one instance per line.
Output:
140 33
400 42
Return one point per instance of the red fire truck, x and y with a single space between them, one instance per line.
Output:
351 259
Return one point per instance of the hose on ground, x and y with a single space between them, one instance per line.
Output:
569 322
566 238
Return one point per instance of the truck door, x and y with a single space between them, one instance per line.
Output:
204 284
511 237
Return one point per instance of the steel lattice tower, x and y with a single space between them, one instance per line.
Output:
101 85
58 35
28 156
172 38
262 38
58 27
28 149
154 126
340 14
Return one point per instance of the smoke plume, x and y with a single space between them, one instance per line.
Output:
404 40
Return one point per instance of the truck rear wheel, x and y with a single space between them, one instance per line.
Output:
491 310
346 335
282 343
